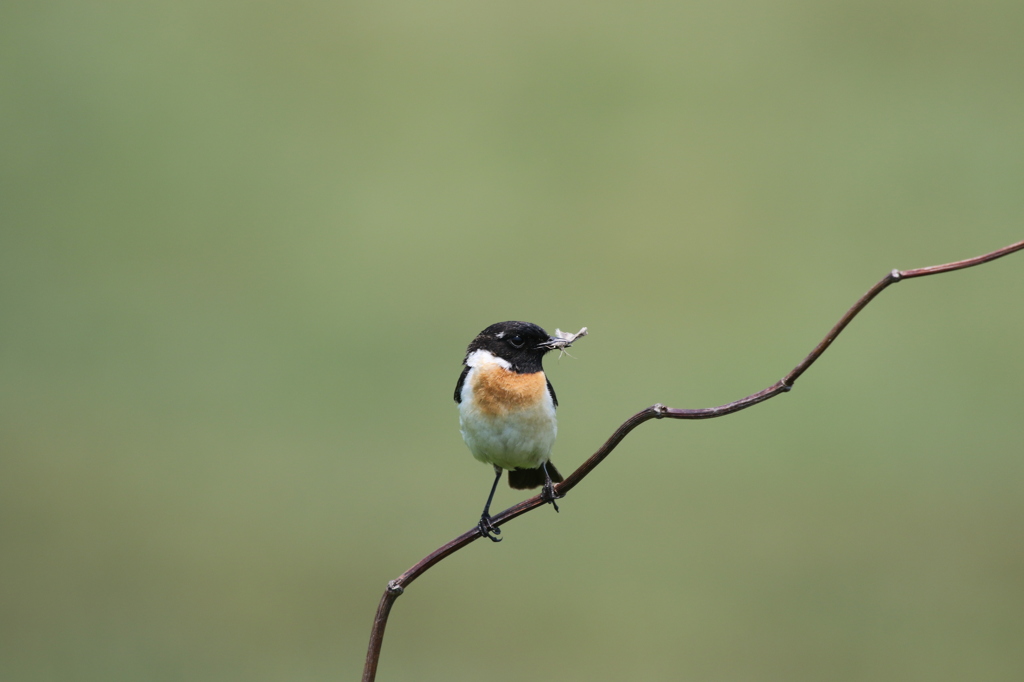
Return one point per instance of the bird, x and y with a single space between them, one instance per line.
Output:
507 409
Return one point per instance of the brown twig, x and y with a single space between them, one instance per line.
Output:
398 585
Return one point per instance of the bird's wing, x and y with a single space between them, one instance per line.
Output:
462 380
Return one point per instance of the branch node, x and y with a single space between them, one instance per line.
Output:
786 386
895 275
395 588
659 410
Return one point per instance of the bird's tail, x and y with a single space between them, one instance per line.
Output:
524 479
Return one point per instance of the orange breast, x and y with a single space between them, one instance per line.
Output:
498 390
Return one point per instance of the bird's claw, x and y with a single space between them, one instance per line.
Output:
488 529
549 495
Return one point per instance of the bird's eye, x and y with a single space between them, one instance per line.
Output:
516 341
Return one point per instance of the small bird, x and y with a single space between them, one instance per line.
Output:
507 409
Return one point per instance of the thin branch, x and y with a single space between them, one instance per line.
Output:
397 586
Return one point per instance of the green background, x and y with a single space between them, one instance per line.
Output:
244 244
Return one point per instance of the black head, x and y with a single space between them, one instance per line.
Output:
522 344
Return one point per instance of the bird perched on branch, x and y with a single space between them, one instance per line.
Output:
507 408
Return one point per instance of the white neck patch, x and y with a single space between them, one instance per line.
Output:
481 357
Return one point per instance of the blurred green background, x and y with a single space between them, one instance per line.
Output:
243 247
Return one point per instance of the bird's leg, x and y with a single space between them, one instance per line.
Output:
488 529
548 492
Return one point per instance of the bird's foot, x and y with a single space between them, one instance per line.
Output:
488 529
549 495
